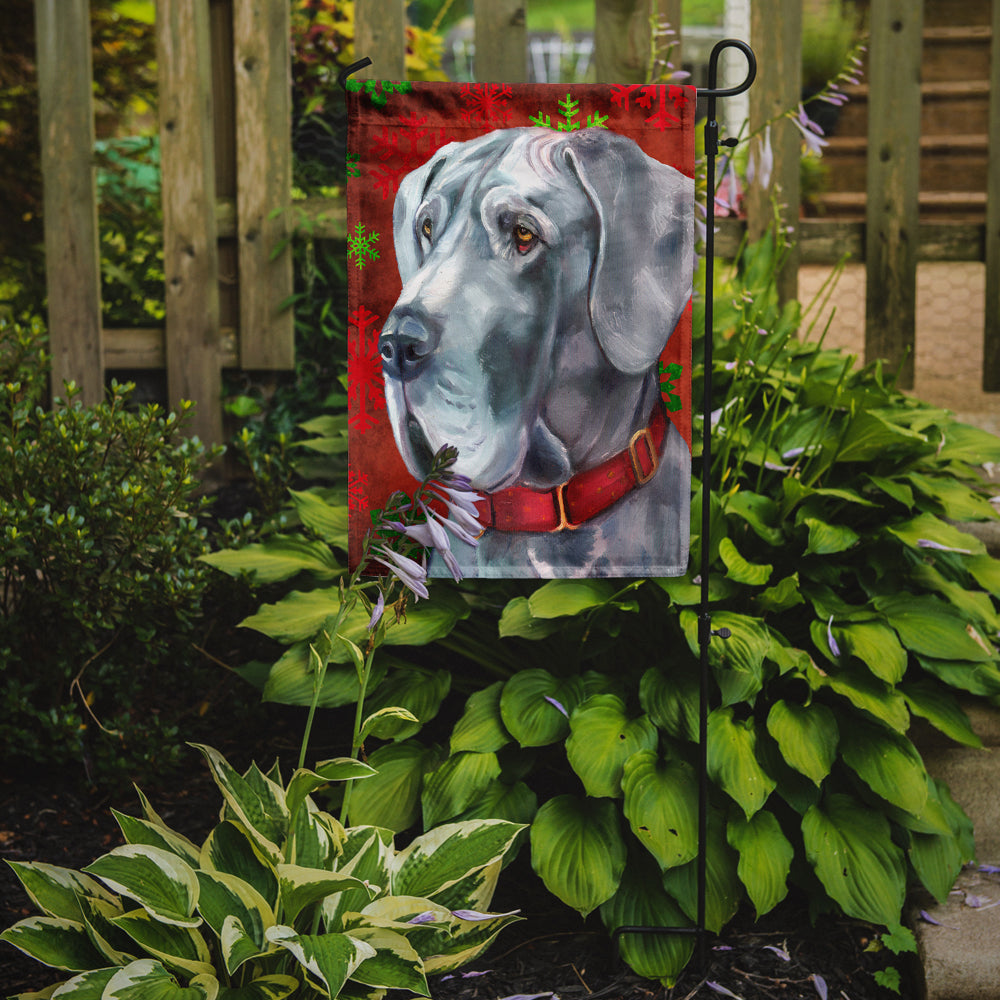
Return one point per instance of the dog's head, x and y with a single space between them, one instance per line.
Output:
542 275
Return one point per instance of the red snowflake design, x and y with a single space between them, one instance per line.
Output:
648 95
486 103
402 148
357 490
365 391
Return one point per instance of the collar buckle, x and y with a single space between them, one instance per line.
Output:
645 435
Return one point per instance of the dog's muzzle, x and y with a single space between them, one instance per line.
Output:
405 345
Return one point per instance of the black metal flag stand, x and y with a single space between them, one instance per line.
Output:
705 631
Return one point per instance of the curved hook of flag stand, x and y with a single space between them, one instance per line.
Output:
705 631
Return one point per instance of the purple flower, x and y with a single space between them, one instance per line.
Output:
761 162
780 952
719 988
927 543
409 571
427 917
820 983
834 648
811 132
558 705
377 611
475 915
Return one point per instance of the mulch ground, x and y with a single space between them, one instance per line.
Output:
550 953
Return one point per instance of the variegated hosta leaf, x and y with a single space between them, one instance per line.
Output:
158 880
578 851
888 763
86 986
466 941
661 800
315 838
56 891
481 727
230 849
807 736
304 782
441 857
367 854
147 979
225 897
141 831
723 889
301 887
732 760
602 737
256 801
765 858
456 784
850 847
642 902
395 964
177 947
54 941
116 947
329 959
274 987
535 706
476 890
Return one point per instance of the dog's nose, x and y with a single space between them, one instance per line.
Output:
405 344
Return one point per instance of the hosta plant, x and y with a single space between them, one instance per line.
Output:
279 900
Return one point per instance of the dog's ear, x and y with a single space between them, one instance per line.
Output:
644 264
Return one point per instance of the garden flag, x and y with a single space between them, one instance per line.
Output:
520 271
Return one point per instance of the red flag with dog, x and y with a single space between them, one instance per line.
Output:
521 261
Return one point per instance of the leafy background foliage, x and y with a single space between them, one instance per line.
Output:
854 602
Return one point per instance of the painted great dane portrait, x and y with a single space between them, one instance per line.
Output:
542 274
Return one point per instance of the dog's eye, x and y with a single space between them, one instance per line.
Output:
524 238
427 229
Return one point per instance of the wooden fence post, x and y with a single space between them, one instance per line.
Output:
991 332
893 183
261 56
776 35
380 34
190 251
501 41
621 40
72 255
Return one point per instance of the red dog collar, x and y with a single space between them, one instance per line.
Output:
586 495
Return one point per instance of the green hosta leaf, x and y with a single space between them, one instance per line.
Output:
54 941
395 964
976 678
870 436
760 512
957 501
279 558
865 692
931 628
561 598
578 851
732 760
180 948
807 736
481 728
965 443
330 959
893 488
641 901
941 709
928 528
888 763
986 571
671 699
738 661
876 646
739 569
225 897
783 595
765 858
292 681
275 987
517 620
159 881
387 723
230 849
937 859
304 782
661 799
417 690
301 887
438 859
850 848
327 520
456 784
147 979
535 706
260 809
516 803
975 605
683 591
828 539
602 738
141 831
391 798
723 889
56 891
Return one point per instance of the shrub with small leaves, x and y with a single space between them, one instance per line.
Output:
99 574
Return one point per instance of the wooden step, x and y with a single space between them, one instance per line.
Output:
946 162
944 104
959 206
956 53
940 13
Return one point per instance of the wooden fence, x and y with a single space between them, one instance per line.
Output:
226 161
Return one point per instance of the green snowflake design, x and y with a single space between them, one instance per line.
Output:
378 91
353 166
361 245
570 111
